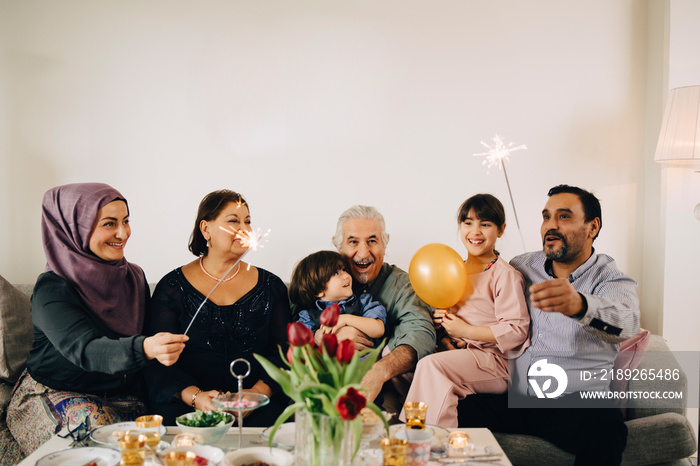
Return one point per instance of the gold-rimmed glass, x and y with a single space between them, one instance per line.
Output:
132 447
415 414
150 427
394 451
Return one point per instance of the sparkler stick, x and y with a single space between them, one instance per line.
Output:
495 156
251 240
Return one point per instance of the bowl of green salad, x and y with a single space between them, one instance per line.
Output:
210 425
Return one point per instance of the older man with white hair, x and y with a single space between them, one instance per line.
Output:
361 236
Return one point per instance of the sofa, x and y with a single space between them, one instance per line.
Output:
656 435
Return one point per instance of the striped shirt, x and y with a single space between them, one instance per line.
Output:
590 342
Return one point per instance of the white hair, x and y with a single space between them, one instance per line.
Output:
359 211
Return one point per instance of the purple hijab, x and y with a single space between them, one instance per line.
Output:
114 291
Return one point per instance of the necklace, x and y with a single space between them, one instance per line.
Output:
487 267
233 275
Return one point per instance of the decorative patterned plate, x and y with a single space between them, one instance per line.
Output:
73 456
105 434
212 454
284 437
440 435
250 455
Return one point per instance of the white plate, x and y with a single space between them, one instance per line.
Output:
273 456
212 454
284 436
440 435
104 435
73 456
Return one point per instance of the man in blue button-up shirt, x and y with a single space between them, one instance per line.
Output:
581 308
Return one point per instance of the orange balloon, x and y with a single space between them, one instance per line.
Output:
438 275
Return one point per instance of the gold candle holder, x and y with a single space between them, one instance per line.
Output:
415 414
179 458
459 444
187 439
394 451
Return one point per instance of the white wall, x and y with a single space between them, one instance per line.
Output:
308 107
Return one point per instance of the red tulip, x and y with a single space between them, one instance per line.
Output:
350 404
330 342
329 316
290 355
346 350
299 334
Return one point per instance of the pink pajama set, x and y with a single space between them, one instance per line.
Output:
496 300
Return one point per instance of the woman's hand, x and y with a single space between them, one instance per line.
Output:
259 387
202 399
165 347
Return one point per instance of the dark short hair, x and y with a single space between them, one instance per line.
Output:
590 203
209 209
311 276
486 207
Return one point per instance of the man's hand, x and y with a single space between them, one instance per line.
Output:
400 360
373 381
446 343
165 347
357 336
556 295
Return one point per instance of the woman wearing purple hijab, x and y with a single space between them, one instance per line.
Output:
88 311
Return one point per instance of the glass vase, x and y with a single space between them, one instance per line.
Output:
322 440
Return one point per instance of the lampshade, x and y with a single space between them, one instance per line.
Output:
679 139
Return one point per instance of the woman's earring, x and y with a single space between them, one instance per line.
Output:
208 244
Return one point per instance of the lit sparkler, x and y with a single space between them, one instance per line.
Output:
495 156
251 240
498 152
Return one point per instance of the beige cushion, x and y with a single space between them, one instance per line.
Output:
16 331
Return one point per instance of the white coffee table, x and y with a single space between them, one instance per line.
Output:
252 436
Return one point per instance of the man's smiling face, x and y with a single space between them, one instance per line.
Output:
362 244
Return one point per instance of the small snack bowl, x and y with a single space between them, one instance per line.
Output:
246 456
208 430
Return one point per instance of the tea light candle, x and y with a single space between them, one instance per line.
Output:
459 444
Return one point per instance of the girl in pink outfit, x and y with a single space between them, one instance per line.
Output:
477 335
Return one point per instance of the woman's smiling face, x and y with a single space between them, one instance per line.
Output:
223 231
111 231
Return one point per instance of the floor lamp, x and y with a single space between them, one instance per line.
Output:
679 138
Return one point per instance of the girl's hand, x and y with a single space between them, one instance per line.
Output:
438 315
456 327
